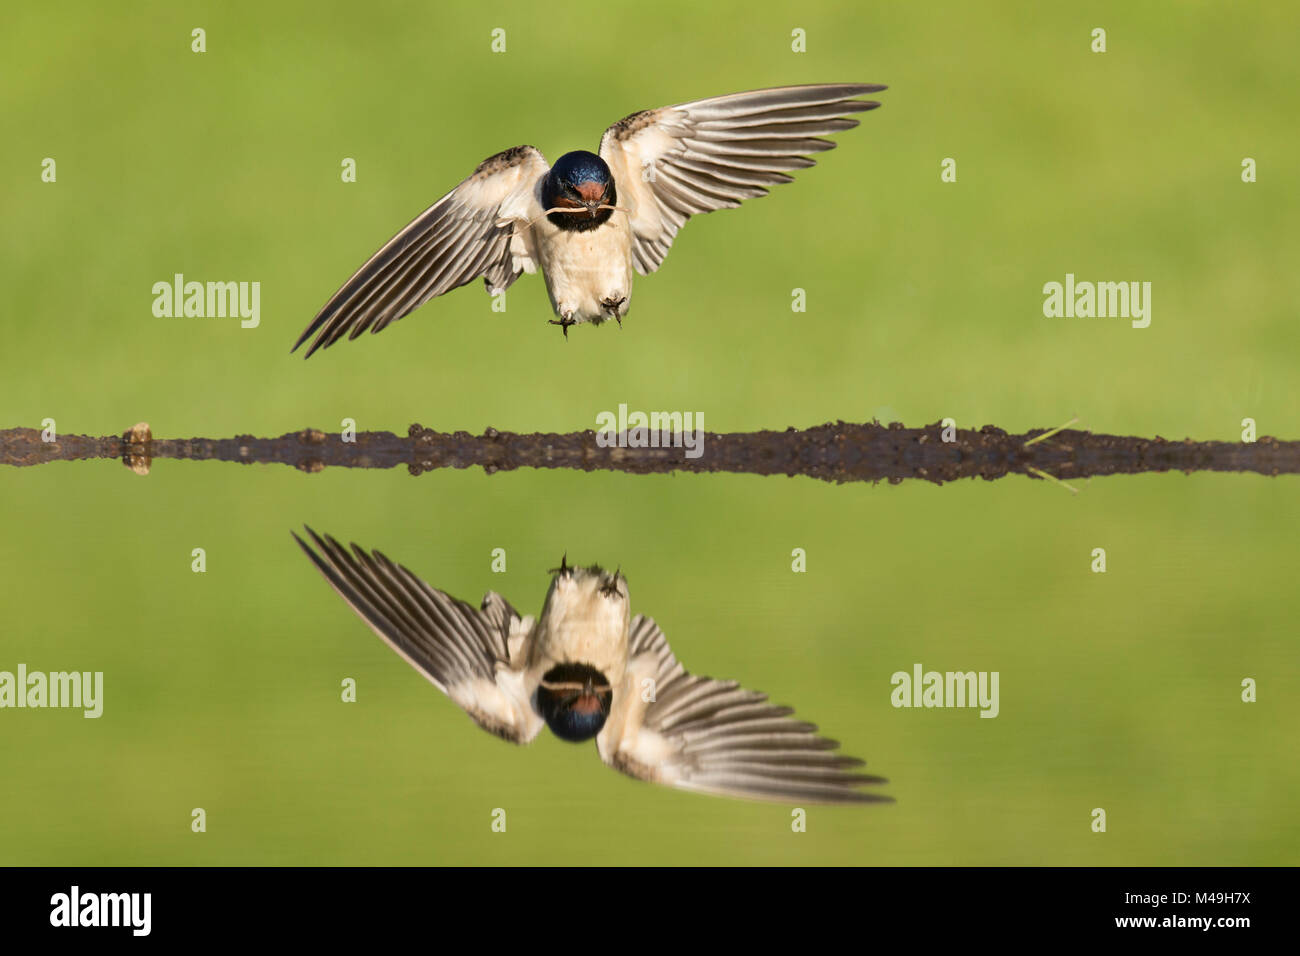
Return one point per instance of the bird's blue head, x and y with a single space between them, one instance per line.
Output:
574 699
581 186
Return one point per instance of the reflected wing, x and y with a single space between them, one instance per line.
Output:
679 161
716 737
462 650
469 232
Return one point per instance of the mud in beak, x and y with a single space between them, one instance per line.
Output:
592 196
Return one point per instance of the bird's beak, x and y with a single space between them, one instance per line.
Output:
592 196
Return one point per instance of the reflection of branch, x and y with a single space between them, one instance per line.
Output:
834 452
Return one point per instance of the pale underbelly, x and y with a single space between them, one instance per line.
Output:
588 273
585 643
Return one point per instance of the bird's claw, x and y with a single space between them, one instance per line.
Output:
611 306
564 322
610 589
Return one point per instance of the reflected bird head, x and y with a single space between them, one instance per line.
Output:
574 700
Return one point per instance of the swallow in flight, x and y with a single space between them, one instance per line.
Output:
591 219
587 668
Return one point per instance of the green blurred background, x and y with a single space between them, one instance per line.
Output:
1118 690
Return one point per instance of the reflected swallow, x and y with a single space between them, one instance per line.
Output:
591 219
586 668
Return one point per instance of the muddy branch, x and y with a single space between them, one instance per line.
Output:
838 452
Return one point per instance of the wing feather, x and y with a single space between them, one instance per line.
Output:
686 160
473 231
716 737
460 649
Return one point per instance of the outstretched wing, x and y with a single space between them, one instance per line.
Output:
716 737
679 161
462 650
469 232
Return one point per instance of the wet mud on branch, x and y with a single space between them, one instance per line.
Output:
838 452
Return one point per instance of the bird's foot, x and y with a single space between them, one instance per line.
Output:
611 589
564 321
611 306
